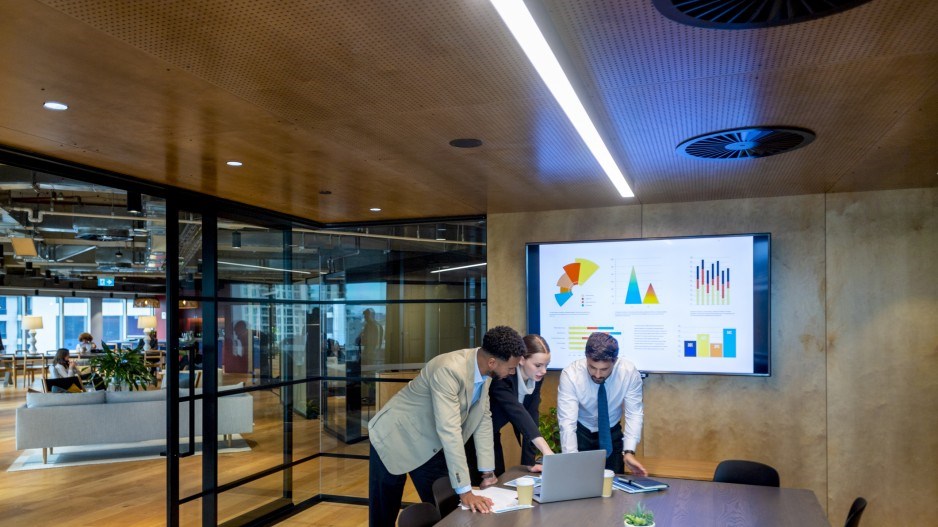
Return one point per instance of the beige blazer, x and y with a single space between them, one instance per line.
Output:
432 412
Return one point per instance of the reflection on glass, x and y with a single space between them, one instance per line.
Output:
190 254
190 340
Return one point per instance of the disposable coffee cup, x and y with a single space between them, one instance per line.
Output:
525 488
607 483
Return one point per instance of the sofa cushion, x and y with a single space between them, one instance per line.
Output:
37 400
135 396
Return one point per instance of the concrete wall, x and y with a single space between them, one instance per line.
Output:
850 408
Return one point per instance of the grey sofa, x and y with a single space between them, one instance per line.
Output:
49 420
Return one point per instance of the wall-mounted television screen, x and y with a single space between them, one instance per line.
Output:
676 305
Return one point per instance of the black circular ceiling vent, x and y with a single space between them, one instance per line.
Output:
749 14
746 143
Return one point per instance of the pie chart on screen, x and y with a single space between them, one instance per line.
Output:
576 273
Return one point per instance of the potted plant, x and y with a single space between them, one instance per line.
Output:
639 516
123 367
550 429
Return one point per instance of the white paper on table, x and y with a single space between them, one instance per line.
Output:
504 499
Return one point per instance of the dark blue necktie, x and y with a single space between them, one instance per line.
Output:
605 435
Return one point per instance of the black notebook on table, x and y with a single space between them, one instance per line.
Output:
634 485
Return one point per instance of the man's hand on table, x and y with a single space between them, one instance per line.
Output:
476 503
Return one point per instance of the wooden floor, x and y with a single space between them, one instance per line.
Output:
133 493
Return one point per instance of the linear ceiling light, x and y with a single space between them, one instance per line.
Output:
457 268
521 24
263 267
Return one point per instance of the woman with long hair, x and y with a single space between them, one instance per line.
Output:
62 367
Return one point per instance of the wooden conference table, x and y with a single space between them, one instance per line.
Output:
686 503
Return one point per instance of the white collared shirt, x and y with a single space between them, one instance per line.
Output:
576 401
525 388
476 380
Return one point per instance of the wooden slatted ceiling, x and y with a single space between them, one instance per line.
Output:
361 98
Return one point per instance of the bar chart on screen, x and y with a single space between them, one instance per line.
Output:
710 283
579 334
721 345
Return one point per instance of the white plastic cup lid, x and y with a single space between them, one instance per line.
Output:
525 482
608 473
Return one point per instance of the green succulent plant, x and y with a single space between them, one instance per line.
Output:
639 516
123 366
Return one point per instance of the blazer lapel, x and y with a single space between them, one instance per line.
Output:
470 379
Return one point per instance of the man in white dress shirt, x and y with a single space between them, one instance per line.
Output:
594 393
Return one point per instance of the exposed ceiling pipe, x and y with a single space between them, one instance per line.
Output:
39 214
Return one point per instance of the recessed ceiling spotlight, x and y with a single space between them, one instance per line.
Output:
55 105
234 163
325 192
375 209
466 143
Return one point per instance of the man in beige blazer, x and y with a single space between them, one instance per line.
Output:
423 429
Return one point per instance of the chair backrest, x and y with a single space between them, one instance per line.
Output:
187 377
856 510
746 472
445 496
419 515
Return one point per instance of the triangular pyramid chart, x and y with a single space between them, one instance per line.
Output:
633 296
650 296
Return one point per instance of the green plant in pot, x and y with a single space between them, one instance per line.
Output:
640 516
550 429
122 367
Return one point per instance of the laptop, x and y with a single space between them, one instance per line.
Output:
571 476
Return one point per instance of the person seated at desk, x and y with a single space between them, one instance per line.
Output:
593 394
61 367
515 399
86 344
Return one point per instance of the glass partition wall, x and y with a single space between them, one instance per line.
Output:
281 339
319 328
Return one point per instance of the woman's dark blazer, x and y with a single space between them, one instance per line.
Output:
503 397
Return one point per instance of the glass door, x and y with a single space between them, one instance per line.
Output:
236 328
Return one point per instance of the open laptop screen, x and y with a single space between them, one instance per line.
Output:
572 476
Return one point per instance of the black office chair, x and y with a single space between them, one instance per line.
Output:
746 473
445 496
856 510
419 515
